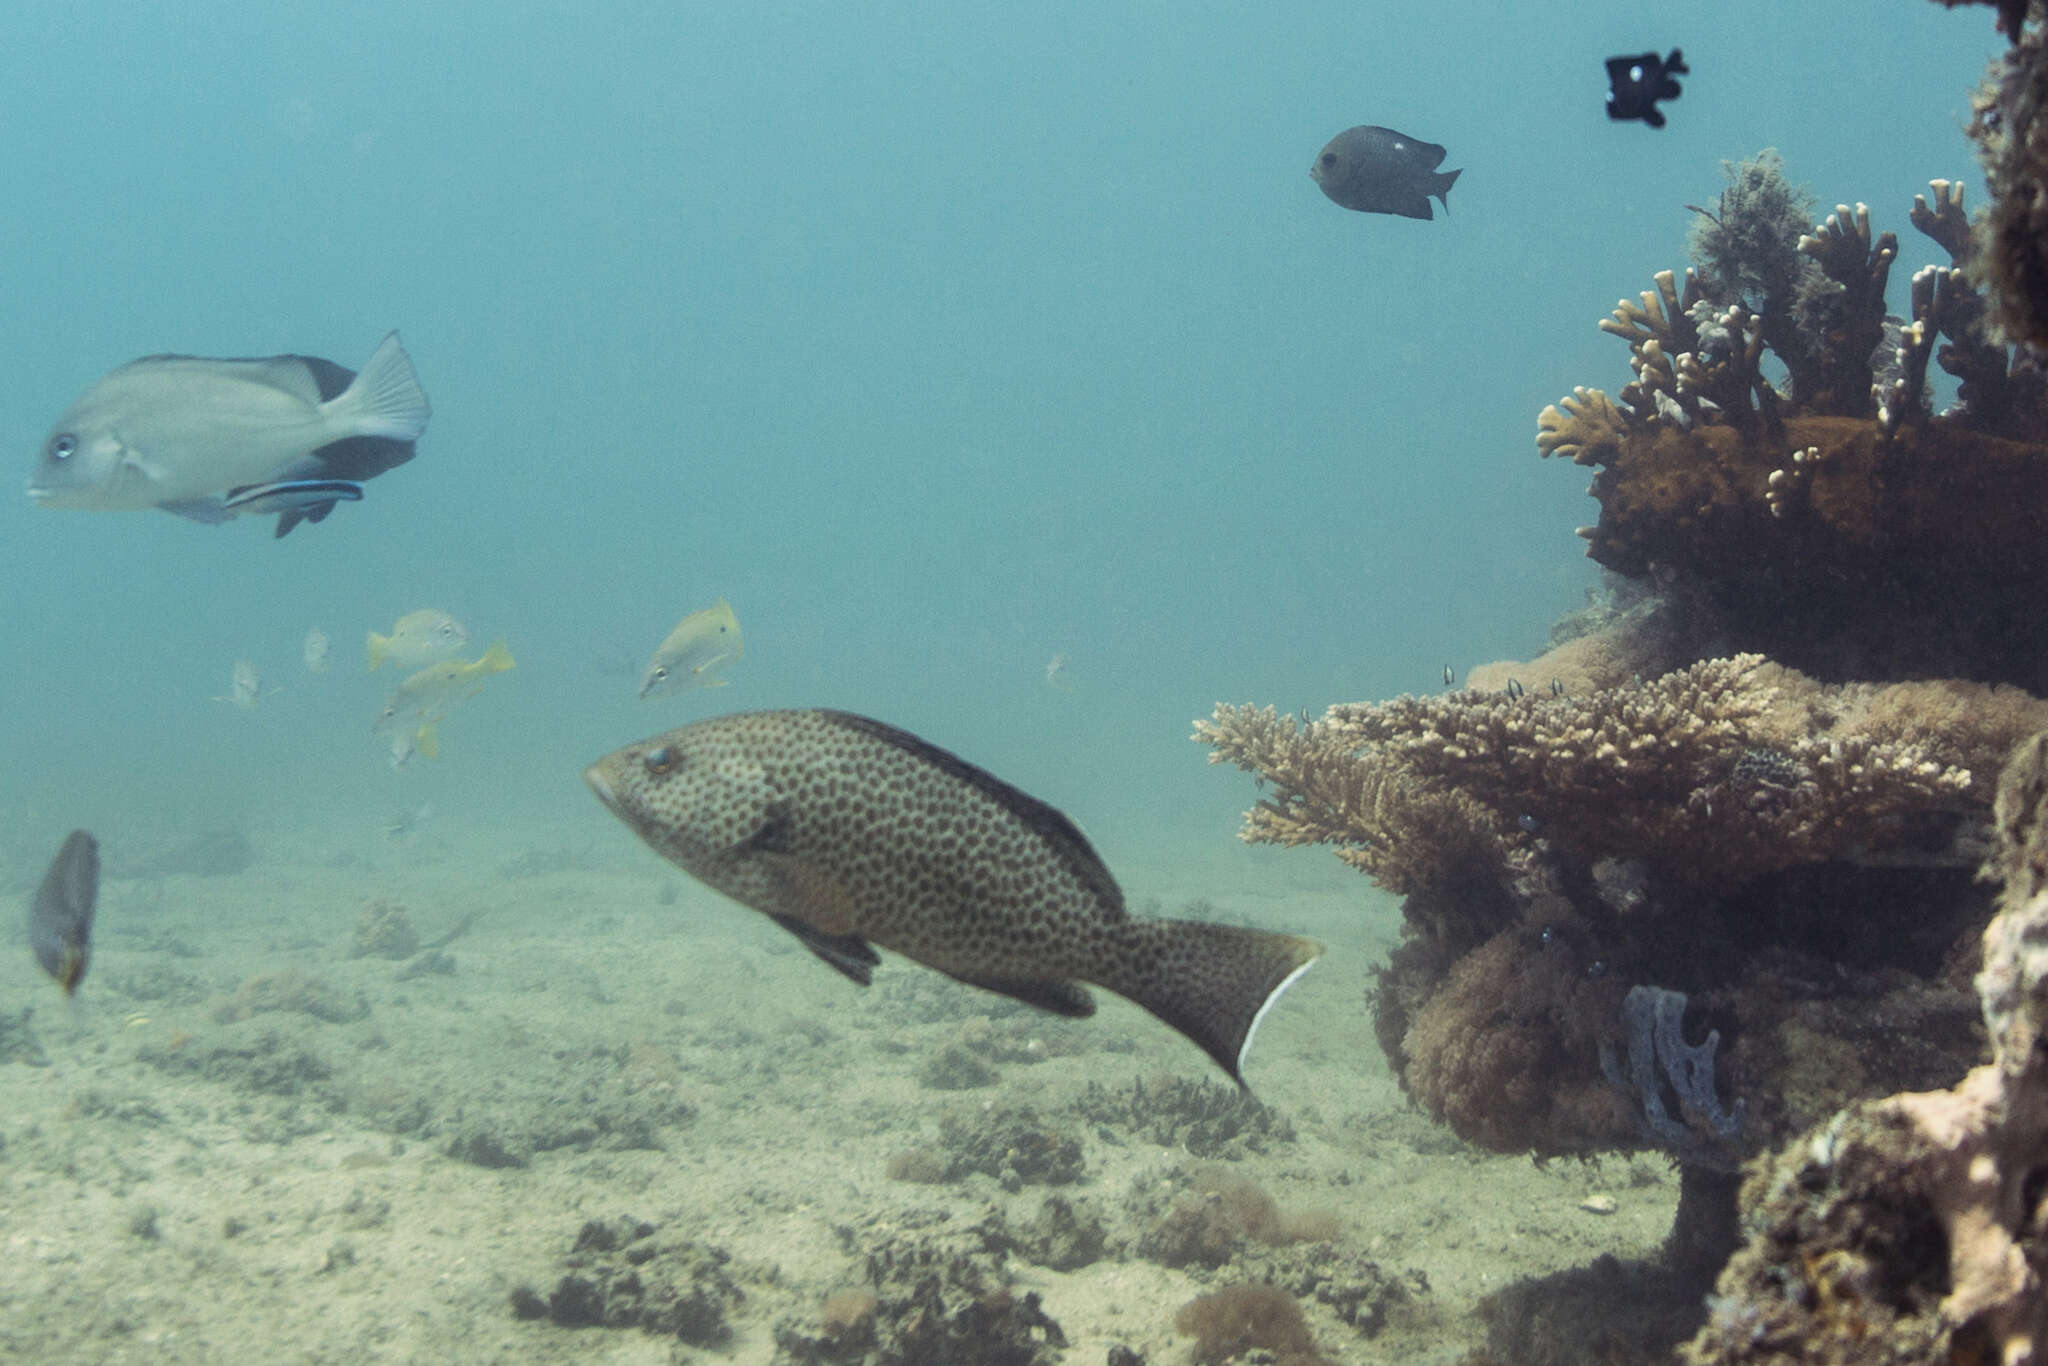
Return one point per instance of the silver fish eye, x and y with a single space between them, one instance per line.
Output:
658 760
62 446
661 671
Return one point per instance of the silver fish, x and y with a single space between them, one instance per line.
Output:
850 833
317 650
210 439
691 655
60 920
245 686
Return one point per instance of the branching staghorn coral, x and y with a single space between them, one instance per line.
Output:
1712 774
1405 835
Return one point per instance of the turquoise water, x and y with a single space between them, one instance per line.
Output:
939 338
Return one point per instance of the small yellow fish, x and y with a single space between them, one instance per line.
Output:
428 696
701 643
418 639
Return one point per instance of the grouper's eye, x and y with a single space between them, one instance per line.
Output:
1329 158
659 760
62 445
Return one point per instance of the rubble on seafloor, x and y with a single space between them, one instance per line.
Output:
1705 873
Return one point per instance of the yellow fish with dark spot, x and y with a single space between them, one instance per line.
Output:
850 833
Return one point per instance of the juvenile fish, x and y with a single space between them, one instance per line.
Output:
418 639
1635 83
317 650
702 643
60 921
424 700
211 439
245 686
850 833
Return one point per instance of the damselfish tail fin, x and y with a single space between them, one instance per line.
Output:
1442 189
1213 983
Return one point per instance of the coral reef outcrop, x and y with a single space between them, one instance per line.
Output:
1734 830
1789 509
1704 873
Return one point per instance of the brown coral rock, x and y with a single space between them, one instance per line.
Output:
1507 1052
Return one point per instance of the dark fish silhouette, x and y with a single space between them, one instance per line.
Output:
850 833
60 920
1637 83
1377 170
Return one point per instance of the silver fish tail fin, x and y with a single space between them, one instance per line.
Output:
1213 983
385 399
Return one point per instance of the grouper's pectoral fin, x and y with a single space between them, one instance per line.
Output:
849 953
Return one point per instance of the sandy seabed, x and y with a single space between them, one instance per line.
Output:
244 1144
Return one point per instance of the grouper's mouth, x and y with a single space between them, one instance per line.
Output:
594 775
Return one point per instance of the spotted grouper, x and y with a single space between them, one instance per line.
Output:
850 833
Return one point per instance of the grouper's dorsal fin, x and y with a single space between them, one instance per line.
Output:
849 953
1049 823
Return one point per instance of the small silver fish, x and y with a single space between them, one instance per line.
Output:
60 919
850 833
702 643
211 439
317 648
401 826
245 686
1056 674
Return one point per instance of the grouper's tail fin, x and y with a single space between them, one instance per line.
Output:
1213 983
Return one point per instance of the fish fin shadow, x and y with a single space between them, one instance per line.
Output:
848 953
